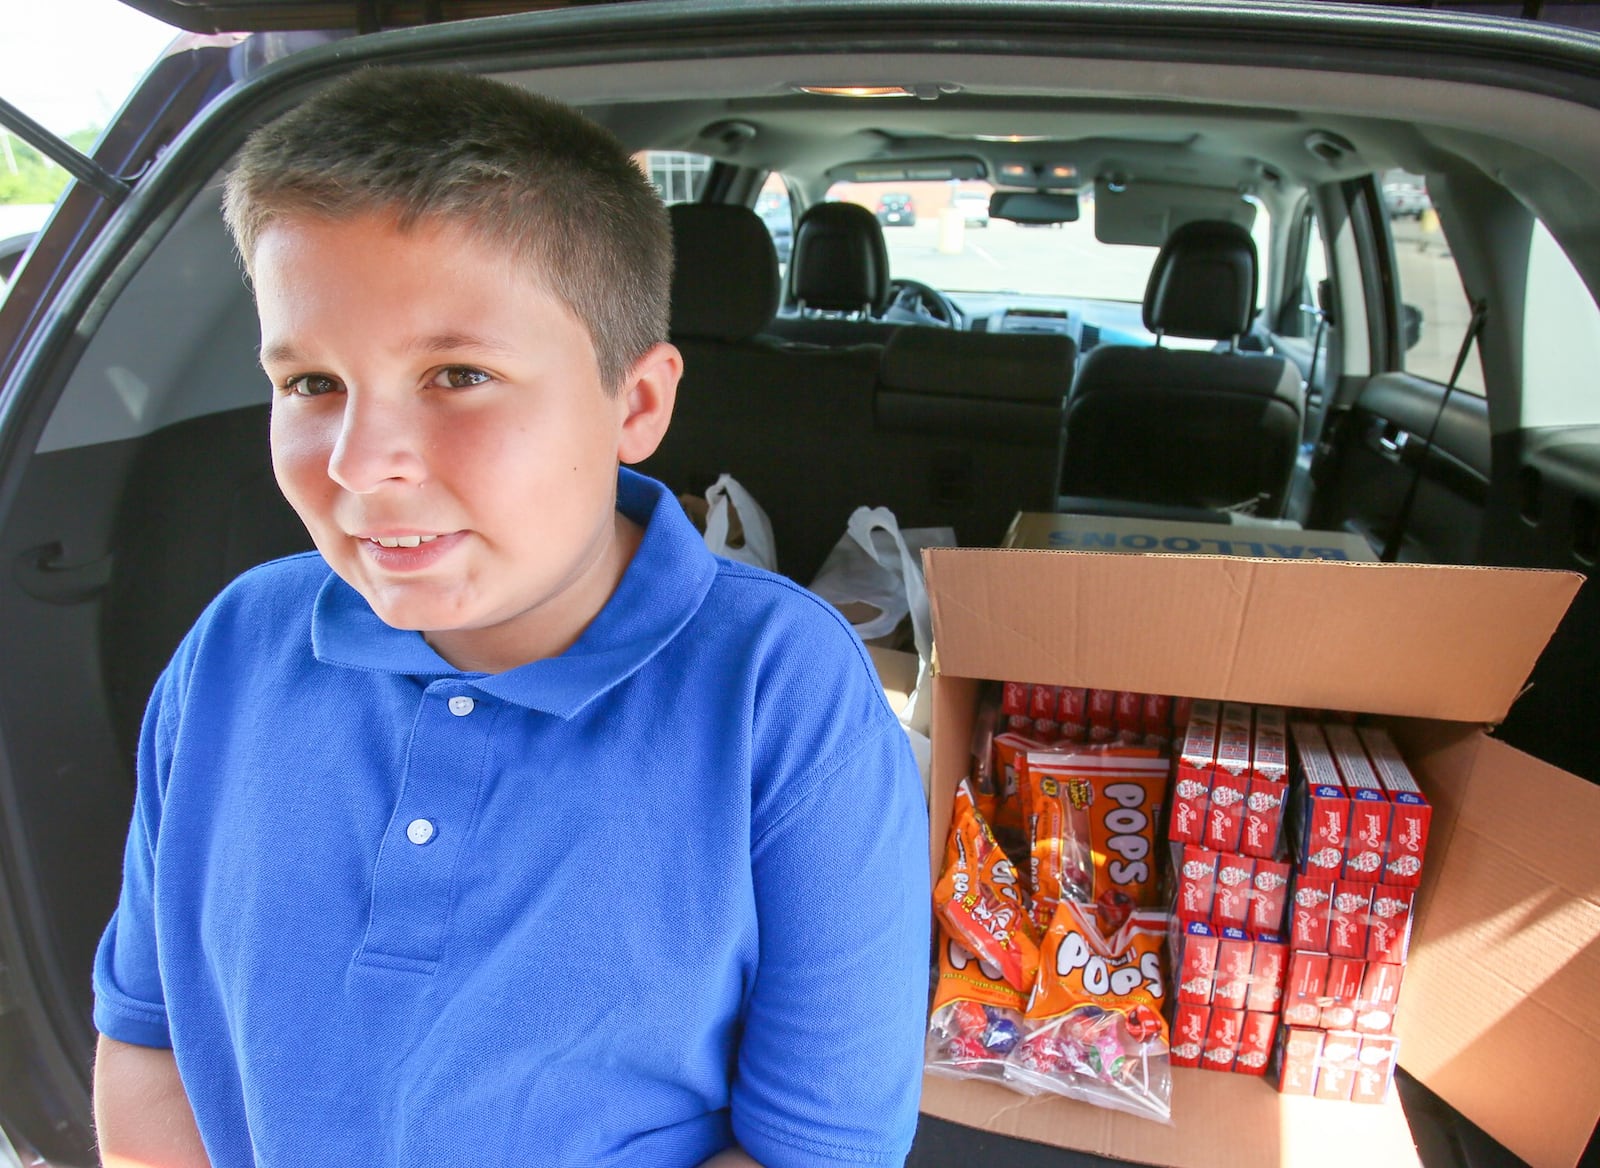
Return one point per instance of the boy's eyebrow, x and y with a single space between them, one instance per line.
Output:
284 353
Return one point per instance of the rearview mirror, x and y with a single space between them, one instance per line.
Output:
1034 207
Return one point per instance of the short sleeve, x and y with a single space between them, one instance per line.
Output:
128 1001
830 1063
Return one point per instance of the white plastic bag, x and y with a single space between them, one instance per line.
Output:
874 575
737 527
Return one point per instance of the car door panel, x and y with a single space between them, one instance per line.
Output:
1380 447
1545 512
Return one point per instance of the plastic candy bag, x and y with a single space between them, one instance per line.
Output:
1094 1029
977 1016
979 899
1115 794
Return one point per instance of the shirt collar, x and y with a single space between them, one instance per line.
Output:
661 589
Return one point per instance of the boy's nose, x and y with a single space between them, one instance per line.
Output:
378 442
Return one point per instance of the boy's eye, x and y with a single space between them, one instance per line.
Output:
311 385
459 377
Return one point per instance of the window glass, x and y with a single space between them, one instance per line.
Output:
940 233
776 209
679 175
1435 310
1560 339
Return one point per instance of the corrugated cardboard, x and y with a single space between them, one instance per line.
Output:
1501 988
1106 533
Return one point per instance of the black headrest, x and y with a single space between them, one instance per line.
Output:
839 261
725 278
1203 283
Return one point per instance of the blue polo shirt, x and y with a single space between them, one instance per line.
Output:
624 906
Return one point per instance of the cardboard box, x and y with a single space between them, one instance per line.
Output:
1505 946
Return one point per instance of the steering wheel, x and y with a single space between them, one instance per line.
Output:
913 302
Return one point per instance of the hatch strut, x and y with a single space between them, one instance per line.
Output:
80 166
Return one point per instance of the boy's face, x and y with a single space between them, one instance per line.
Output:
429 394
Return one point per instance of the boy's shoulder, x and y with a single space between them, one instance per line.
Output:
267 599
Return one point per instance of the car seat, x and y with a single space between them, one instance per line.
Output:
1215 430
838 279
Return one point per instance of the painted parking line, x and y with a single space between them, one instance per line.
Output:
982 251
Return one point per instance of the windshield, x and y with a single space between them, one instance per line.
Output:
940 233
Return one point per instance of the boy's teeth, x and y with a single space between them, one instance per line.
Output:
405 541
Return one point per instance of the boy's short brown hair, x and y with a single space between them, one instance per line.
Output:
520 170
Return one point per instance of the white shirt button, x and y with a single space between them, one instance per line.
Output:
461 706
419 831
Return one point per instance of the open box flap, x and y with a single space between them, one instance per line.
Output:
1500 1006
1422 640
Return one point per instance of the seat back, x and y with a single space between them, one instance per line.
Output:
789 422
968 428
1211 430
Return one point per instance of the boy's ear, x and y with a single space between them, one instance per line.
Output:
649 393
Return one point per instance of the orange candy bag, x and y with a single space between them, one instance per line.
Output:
976 1019
1094 1029
1116 796
979 900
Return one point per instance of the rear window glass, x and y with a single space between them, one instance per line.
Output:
941 234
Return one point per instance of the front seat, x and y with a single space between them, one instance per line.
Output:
838 279
1213 431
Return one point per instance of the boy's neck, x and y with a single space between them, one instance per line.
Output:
552 628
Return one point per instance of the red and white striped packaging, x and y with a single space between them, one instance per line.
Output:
1235 874
1348 914
1379 997
1269 896
1016 699
1300 1049
1236 956
1197 882
1367 839
1158 721
1255 1043
1303 988
1308 914
1128 718
1389 928
1410 813
1336 1068
1072 713
1340 992
1230 780
1102 710
1325 817
1266 974
1375 1064
1194 955
1190 1024
1222 1039
1191 782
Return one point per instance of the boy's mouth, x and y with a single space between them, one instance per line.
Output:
399 541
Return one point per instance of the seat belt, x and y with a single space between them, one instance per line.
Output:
1391 548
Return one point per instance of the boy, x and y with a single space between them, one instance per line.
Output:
511 826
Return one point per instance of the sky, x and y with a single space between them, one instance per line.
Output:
70 63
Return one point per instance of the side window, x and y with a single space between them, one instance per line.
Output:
1434 308
1298 317
679 175
776 209
1560 339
